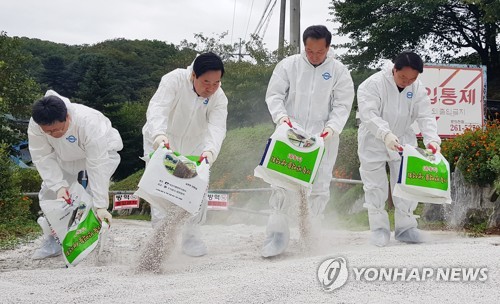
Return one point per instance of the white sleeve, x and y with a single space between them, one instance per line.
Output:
217 117
369 105
160 106
44 158
95 143
276 93
341 102
425 119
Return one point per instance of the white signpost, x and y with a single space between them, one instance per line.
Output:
457 94
125 201
218 201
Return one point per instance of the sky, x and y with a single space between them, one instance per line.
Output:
88 22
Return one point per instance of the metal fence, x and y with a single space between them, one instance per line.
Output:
334 180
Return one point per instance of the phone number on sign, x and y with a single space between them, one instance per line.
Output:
461 128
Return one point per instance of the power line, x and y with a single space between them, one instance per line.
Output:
248 24
234 17
262 18
268 19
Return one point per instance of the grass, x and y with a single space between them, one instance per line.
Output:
139 217
13 234
359 221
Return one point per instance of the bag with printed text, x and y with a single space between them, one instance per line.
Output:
173 178
74 223
423 177
291 158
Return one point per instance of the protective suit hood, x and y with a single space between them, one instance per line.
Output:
54 93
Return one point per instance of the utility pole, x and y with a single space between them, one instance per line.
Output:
281 37
240 54
295 25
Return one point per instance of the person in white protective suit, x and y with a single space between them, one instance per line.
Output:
188 114
389 102
66 139
315 91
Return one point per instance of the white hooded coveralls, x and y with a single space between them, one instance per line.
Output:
383 109
191 123
315 98
90 143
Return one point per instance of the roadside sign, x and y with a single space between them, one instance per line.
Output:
125 201
457 94
218 201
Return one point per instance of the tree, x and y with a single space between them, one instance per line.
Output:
54 75
383 28
101 82
213 44
17 89
129 118
245 85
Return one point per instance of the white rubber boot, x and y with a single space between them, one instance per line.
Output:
379 226
277 235
192 244
50 247
405 223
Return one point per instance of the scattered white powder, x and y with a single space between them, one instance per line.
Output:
305 227
234 272
163 240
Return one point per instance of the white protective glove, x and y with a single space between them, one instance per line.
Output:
160 140
209 156
327 133
285 119
103 214
434 146
392 142
62 193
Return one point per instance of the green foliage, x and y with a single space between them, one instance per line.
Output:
245 85
14 208
14 233
17 89
494 166
347 163
128 118
129 183
138 217
29 180
343 200
211 44
473 151
241 152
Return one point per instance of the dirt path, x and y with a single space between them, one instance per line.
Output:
234 272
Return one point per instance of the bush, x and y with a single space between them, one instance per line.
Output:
29 180
13 206
494 165
15 217
473 153
347 163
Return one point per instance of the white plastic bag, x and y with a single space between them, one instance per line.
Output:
76 225
173 178
291 158
423 177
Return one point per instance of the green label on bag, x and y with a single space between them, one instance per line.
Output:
86 234
424 174
293 163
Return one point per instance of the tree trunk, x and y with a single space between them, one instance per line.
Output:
493 60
